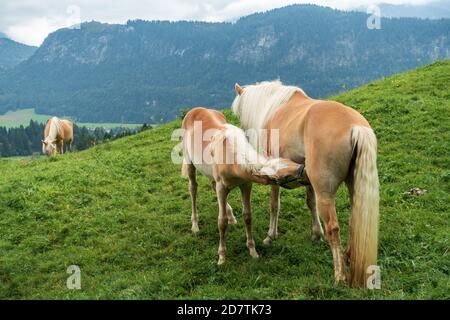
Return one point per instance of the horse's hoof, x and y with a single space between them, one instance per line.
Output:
267 241
232 221
340 280
316 238
195 229
221 261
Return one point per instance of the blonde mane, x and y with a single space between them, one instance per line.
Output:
245 155
259 102
54 128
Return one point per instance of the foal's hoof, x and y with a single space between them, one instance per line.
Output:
221 261
268 241
232 220
317 238
195 228
254 254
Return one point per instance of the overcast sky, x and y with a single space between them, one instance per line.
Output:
30 21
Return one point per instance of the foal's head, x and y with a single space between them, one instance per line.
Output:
283 171
49 147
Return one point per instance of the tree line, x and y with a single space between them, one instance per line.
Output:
26 141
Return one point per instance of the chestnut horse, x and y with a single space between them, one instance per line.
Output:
222 153
57 132
337 145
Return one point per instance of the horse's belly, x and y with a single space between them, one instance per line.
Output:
205 169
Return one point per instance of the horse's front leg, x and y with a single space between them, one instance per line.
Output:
191 172
246 191
222 194
274 211
60 146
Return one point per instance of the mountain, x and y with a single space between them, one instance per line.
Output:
12 53
146 71
432 10
121 212
2 35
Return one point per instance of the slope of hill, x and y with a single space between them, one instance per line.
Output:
145 71
12 53
121 212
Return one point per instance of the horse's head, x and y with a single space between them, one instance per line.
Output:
284 172
49 147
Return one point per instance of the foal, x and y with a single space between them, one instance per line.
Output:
221 152
57 132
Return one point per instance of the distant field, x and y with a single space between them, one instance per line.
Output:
22 117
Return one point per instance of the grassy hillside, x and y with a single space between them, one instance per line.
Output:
121 212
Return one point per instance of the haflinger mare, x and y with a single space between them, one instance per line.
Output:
221 152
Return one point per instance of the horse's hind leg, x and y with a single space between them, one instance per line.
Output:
230 214
316 227
247 212
274 211
326 208
191 173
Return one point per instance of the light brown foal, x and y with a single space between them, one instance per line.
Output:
222 153
337 145
57 132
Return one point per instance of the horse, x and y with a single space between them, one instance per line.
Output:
337 145
221 152
57 132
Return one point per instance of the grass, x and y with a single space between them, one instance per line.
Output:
121 212
14 119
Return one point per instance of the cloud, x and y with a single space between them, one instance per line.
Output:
30 21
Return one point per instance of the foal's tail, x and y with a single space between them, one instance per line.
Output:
365 204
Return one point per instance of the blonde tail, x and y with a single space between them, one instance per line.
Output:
365 205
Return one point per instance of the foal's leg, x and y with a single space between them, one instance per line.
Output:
316 229
230 215
246 191
222 222
326 207
274 211
191 172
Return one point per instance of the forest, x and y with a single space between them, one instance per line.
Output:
26 141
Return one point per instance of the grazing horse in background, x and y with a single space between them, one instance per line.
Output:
337 145
222 153
57 132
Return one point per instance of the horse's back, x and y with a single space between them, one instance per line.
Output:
209 118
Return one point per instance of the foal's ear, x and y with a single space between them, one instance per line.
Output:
238 89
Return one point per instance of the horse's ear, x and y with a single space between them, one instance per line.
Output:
54 141
44 142
238 89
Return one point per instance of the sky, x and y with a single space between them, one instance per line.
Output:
30 21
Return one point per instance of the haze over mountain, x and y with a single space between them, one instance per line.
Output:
432 10
145 71
12 53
